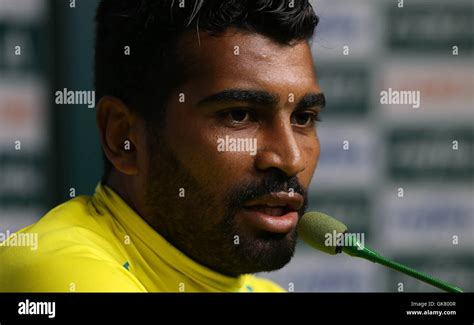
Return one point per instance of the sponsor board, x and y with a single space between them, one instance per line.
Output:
456 270
445 91
23 49
22 179
437 217
431 154
22 10
353 208
24 119
313 271
429 26
347 88
24 112
346 29
348 156
15 218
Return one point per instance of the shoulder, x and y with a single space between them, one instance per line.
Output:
81 272
65 251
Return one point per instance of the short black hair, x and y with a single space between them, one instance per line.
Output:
144 77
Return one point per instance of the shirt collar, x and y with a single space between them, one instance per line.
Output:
135 225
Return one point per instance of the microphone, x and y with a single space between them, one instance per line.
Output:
314 227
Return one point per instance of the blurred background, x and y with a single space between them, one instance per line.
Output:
403 176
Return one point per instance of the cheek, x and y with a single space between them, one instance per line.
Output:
225 168
311 153
196 148
317 151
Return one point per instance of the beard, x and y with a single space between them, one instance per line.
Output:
202 222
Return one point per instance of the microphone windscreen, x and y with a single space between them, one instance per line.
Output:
313 228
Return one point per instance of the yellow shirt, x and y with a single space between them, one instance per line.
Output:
99 244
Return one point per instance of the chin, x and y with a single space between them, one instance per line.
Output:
267 252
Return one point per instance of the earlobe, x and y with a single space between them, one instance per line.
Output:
115 122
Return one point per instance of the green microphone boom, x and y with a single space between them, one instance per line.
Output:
314 227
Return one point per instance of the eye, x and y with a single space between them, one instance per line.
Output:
305 118
238 115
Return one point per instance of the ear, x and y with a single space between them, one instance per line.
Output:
117 128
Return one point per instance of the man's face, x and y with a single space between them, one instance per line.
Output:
225 203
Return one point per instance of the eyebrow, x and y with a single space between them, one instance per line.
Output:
240 95
264 98
312 100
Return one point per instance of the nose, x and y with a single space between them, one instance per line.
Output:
278 148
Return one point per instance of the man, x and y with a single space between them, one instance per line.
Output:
207 117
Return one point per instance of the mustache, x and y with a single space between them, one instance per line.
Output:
274 181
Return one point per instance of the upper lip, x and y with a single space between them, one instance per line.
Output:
292 200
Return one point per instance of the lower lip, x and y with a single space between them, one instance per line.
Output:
277 224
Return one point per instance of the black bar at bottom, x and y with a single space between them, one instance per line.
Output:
412 307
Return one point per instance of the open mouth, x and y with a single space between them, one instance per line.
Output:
274 211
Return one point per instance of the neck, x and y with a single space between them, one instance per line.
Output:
123 187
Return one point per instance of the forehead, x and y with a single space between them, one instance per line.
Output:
247 60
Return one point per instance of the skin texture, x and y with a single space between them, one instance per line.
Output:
183 155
